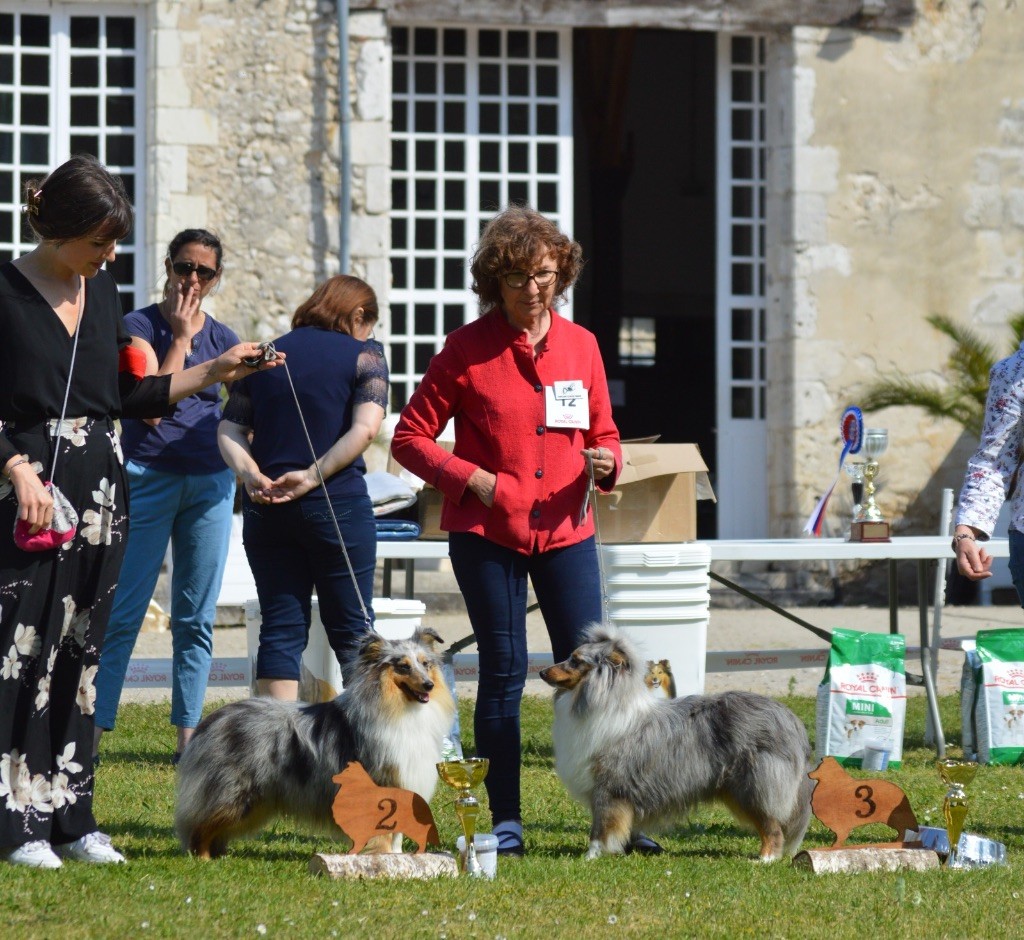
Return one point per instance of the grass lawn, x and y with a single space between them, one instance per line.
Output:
705 885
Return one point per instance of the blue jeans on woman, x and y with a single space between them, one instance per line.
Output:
493 581
293 549
193 512
1017 562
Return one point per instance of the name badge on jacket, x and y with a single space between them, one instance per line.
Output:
567 405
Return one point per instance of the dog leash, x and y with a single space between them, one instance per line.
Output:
591 498
268 354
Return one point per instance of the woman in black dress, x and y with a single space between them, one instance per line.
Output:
54 604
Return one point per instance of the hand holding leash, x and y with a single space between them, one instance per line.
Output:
603 461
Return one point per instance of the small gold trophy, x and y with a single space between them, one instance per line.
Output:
463 775
869 525
956 774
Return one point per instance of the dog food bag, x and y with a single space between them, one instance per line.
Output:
970 681
862 700
999 715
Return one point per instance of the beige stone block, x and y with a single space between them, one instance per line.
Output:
367 24
187 126
368 235
171 162
172 87
996 262
810 219
167 45
373 82
984 207
815 169
187 211
378 276
377 189
371 142
997 305
1015 207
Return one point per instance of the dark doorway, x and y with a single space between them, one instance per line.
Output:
645 214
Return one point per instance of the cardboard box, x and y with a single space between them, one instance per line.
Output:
655 499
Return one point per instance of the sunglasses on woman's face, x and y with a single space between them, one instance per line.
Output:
185 269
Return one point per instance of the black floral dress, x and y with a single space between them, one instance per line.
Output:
54 604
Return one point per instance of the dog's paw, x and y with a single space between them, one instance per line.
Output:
595 850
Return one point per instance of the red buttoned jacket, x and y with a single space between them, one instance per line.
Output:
488 380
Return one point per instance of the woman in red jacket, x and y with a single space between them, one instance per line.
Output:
527 391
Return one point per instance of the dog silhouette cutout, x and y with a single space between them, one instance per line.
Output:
365 811
844 803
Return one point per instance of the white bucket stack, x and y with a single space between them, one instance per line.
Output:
658 594
394 619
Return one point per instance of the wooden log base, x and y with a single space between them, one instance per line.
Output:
881 856
367 867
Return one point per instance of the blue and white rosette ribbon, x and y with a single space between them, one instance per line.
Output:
851 428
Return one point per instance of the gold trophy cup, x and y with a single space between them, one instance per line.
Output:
956 774
462 776
869 525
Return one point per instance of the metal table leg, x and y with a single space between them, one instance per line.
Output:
386 578
926 665
894 598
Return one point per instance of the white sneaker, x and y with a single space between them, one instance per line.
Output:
94 847
34 855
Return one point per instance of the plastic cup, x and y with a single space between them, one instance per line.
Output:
486 853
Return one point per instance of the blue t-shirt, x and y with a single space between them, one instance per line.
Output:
186 442
332 372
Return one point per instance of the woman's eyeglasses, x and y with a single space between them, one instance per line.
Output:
517 279
185 269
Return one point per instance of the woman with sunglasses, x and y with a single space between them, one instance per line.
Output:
66 352
181 492
527 391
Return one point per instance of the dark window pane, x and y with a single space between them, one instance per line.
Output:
399 194
452 317
425 234
424 41
398 396
128 180
398 154
454 78
425 78
742 240
127 302
400 115
743 363
85 72
35 31
742 86
7 107
120 32
27 235
742 279
742 50
454 273
490 195
123 268
35 148
426 155
399 233
742 163
518 80
423 319
121 72
423 353
547 81
121 149
547 119
6 147
426 194
454 195
454 156
547 197
400 40
425 116
455 117
454 232
424 278
518 158
86 143
742 324
490 156
519 119
85 32
6 256
399 77
454 42
7 193
742 201
85 111
490 118
397 357
518 44
743 403
490 43
490 79
6 225
398 315
35 70
398 272
518 191
547 158
7 29
742 125
6 68
547 45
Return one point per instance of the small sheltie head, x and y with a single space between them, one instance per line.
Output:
405 671
604 656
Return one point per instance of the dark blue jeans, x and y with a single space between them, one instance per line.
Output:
567 582
1017 562
293 549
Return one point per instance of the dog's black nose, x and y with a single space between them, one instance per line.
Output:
428 685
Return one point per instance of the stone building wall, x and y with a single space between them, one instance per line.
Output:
898 185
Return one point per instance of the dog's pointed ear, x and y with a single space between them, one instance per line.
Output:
370 646
665 665
428 637
618 659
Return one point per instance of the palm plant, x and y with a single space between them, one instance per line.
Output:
961 395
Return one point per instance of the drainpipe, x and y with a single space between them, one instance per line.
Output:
344 128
